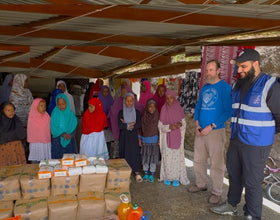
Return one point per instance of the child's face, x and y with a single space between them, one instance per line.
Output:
9 111
152 108
105 92
123 91
143 88
129 101
41 107
61 104
161 91
91 108
169 100
62 87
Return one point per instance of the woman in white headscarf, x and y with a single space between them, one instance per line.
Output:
62 85
21 97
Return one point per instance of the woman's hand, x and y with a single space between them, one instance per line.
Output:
66 136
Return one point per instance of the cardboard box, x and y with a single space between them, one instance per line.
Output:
112 199
31 187
92 182
32 209
6 209
118 174
63 207
68 185
91 205
9 182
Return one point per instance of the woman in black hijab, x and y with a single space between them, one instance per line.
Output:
11 134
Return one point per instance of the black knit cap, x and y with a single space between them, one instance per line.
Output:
247 55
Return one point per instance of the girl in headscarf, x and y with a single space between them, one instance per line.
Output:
159 96
96 88
62 85
94 120
52 104
125 82
6 88
107 101
145 92
117 106
172 126
11 134
38 131
63 127
129 122
21 97
149 140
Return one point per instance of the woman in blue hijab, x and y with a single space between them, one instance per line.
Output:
63 127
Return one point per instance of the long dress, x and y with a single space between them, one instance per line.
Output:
172 160
129 145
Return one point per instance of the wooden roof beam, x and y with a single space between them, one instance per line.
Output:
49 53
123 53
164 70
12 47
12 55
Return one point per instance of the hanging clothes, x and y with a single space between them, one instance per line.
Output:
189 91
223 54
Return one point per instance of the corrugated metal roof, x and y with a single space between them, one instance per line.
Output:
86 60
36 51
250 11
112 2
139 28
17 18
5 52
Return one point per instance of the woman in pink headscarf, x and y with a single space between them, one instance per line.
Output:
146 93
172 126
159 96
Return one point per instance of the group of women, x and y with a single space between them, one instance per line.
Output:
142 130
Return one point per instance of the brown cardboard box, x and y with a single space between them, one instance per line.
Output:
31 187
67 185
63 207
6 209
118 174
91 205
9 182
32 209
92 182
112 199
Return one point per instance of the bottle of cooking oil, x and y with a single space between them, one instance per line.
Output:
124 207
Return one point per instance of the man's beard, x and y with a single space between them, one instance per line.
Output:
247 80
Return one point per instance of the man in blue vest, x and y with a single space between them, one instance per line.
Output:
255 119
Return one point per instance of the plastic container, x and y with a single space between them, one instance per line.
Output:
135 213
145 215
124 207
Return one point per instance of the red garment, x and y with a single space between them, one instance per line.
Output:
95 90
95 121
160 100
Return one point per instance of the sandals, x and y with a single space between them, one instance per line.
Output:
146 178
138 178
